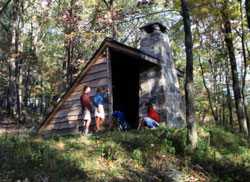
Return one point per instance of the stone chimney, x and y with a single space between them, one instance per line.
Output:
160 85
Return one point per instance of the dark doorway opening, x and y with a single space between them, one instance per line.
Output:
125 86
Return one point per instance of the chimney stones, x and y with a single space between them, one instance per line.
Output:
160 85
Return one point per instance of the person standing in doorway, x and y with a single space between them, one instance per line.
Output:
98 101
87 107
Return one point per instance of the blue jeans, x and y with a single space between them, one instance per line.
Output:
150 123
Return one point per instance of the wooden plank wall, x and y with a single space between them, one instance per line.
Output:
69 115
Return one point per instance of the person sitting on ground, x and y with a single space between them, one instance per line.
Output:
87 107
152 119
98 101
120 119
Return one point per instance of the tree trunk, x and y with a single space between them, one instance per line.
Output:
221 96
69 44
192 136
224 123
18 90
214 73
245 66
26 87
208 93
236 84
247 6
114 28
68 49
229 100
211 105
17 61
10 101
14 71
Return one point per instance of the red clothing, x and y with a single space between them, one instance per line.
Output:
153 114
86 101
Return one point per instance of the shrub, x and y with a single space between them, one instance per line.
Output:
108 151
201 151
167 146
137 155
178 138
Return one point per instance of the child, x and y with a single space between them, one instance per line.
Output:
152 119
98 101
87 107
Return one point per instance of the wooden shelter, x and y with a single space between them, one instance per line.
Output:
114 66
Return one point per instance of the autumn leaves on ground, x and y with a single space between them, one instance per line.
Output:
148 155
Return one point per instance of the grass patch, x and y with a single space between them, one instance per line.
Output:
226 156
146 155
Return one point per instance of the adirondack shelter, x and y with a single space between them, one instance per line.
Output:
132 76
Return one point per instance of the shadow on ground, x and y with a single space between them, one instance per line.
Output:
22 158
226 171
149 155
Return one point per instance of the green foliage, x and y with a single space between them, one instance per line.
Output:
26 158
137 155
47 29
222 144
109 151
223 152
178 140
202 150
167 146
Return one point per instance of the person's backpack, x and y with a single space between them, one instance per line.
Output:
122 123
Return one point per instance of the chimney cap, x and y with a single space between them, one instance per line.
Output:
150 27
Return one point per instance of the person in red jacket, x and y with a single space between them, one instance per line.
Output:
152 119
87 107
